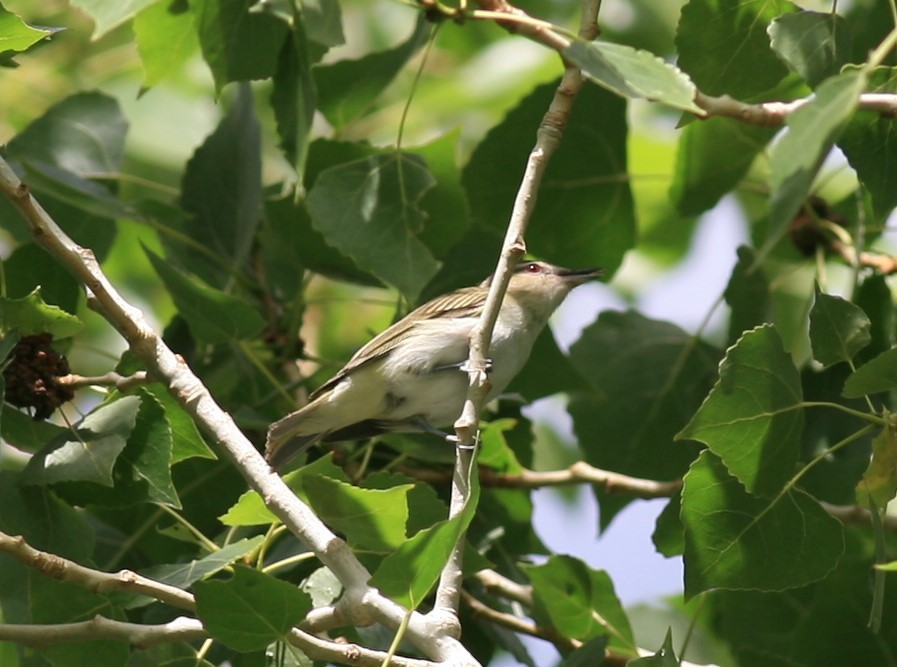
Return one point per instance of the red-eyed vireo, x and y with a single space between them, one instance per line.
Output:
409 377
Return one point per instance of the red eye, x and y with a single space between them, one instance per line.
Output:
533 268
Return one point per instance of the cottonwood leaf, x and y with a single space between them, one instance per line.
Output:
876 375
633 73
724 48
88 452
813 44
747 294
212 315
870 144
736 540
751 418
647 379
31 315
16 35
409 573
579 601
838 329
348 88
369 210
371 519
879 483
107 16
165 41
184 575
250 610
237 44
812 131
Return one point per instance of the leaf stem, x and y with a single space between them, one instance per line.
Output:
397 639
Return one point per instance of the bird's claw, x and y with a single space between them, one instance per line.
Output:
467 368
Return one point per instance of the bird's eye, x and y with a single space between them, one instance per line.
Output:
533 268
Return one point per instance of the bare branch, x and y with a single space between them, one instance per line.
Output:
773 114
110 379
63 569
180 629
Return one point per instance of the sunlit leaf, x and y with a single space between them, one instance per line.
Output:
877 375
813 44
16 35
165 41
633 73
184 575
31 315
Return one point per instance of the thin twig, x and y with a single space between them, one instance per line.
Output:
578 473
110 379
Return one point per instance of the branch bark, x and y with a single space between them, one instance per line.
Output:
548 137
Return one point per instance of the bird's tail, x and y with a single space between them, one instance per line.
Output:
284 442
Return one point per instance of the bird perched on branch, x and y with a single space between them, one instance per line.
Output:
410 377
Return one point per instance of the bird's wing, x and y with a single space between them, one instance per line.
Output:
466 302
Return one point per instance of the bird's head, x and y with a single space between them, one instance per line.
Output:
540 287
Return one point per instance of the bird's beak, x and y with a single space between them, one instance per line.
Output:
580 276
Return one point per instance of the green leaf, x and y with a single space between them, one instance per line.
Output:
580 601
495 452
250 510
212 315
251 610
187 441
648 378
107 16
712 158
547 371
665 656
293 97
425 508
736 540
347 89
83 134
369 210
87 452
582 184
371 519
445 204
222 188
751 418
16 35
27 269
813 44
409 573
633 73
30 316
724 48
812 131
142 472
184 575
838 329
669 536
879 484
88 196
869 143
877 375
165 41
747 294
237 44
22 432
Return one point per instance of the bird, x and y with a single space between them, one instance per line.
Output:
411 377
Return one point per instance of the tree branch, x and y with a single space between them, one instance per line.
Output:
96 581
578 473
361 604
110 379
548 137
180 629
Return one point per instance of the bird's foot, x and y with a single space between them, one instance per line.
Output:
467 368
